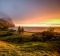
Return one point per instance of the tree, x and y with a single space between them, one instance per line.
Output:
22 29
19 29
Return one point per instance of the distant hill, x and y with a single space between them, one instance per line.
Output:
5 21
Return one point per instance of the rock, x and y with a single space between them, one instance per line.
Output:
5 21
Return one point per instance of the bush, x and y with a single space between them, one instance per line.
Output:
5 33
45 36
37 37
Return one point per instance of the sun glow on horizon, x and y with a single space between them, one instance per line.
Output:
50 23
31 25
38 25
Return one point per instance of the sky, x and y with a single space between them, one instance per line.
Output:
32 12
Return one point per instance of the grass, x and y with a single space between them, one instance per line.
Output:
28 48
10 46
28 33
31 48
7 49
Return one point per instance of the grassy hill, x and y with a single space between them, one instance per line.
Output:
26 49
22 45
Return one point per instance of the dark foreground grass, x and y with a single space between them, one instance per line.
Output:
29 48
19 45
40 48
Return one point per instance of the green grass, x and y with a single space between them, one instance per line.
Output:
41 48
28 48
11 46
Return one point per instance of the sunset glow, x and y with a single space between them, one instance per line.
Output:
50 23
32 13
39 25
29 27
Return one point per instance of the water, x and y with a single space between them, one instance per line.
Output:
36 29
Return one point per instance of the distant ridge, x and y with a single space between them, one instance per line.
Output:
5 21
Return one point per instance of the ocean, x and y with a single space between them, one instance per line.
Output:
37 29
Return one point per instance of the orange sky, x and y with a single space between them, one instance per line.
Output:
32 12
41 19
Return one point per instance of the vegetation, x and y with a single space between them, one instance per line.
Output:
45 43
20 30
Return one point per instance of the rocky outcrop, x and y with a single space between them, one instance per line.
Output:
5 21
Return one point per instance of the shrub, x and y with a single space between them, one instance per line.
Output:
5 33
